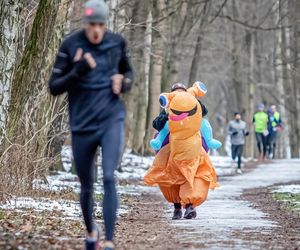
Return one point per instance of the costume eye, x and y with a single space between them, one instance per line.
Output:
201 86
163 100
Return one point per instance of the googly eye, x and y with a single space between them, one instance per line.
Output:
163 101
201 86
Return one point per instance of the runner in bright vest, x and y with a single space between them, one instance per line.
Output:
274 125
260 121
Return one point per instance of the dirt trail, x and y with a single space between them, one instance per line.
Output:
146 227
230 221
239 215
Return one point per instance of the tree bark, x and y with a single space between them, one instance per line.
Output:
9 35
32 110
138 140
156 73
284 150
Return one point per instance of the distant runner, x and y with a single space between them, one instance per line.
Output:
274 125
260 121
237 129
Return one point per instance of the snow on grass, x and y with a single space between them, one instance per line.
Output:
69 208
133 168
292 189
290 195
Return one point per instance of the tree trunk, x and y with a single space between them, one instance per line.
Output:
284 150
156 73
136 42
31 110
294 19
31 67
9 34
138 140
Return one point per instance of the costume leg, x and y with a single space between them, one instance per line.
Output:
196 195
171 194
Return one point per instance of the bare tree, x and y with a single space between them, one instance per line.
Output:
9 35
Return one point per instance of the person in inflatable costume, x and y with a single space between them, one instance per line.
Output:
186 175
160 123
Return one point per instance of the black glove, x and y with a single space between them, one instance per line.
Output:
247 133
81 67
165 117
235 133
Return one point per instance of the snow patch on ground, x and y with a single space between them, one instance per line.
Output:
70 209
133 168
292 189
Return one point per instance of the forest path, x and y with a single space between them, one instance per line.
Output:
227 220
240 214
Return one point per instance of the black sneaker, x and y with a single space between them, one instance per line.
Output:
177 215
93 243
190 212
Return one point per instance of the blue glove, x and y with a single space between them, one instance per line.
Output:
207 133
158 141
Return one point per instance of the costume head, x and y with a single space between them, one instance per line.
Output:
185 113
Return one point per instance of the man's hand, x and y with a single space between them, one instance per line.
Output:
117 83
90 60
86 56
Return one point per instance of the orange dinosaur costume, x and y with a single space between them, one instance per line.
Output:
183 174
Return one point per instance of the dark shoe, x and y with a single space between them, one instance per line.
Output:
93 244
177 215
190 212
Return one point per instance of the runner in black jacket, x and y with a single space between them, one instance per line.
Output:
92 66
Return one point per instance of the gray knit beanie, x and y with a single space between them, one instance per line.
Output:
96 11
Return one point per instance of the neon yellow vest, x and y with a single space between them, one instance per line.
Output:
261 122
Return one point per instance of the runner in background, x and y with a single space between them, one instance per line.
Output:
260 121
237 129
274 125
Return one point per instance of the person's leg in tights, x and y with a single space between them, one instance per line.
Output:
84 150
264 143
273 143
269 144
259 142
111 143
233 152
239 155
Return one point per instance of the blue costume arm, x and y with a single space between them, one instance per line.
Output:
158 141
207 133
